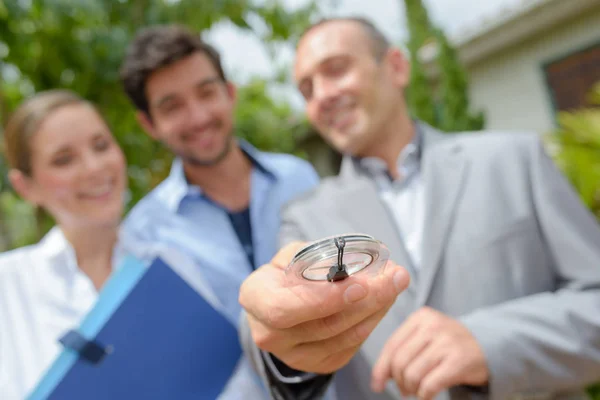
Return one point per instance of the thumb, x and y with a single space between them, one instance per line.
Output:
284 256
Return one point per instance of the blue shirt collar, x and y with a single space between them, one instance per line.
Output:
177 186
258 158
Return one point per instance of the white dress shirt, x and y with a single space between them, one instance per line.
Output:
43 294
403 197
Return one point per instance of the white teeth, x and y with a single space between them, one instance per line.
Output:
340 110
339 116
99 190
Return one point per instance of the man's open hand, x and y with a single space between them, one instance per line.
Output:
316 326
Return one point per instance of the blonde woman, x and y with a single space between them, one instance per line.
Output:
64 159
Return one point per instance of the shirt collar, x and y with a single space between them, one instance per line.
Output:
55 246
54 243
177 186
408 161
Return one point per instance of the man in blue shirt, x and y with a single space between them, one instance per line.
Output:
221 202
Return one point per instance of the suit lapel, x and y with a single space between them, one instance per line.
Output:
361 206
443 175
443 172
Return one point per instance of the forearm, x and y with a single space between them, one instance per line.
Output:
548 342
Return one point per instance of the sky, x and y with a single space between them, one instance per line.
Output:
244 55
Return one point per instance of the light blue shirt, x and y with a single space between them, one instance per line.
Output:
177 215
180 215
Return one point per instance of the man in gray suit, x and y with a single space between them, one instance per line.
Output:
504 260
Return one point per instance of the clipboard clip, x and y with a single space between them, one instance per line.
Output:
91 351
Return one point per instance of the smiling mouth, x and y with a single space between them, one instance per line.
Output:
100 191
341 119
203 138
202 134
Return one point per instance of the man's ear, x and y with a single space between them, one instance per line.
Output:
231 91
399 67
24 186
146 123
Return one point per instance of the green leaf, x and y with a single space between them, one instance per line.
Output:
3 10
577 144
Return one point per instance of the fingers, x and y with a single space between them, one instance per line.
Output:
318 353
352 337
284 307
410 376
313 301
259 289
384 295
274 339
338 360
316 325
265 296
382 370
394 278
428 354
409 352
277 316
440 378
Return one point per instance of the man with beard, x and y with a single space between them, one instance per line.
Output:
221 202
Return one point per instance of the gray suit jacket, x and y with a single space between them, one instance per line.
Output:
508 249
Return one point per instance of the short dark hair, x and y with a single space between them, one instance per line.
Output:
379 43
156 47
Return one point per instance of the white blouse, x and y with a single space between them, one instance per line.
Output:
44 294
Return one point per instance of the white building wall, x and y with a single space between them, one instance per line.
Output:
510 87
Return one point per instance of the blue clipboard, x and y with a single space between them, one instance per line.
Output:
165 341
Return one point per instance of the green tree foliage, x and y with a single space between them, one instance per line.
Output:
454 91
576 149
267 122
79 44
446 106
419 25
419 93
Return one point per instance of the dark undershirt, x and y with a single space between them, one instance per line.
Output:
240 220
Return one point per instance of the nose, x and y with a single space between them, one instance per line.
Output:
197 114
93 163
325 92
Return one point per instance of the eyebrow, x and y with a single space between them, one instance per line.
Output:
67 147
60 150
306 79
198 85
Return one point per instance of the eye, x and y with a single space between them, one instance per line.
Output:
207 93
306 90
170 107
336 66
62 160
101 144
